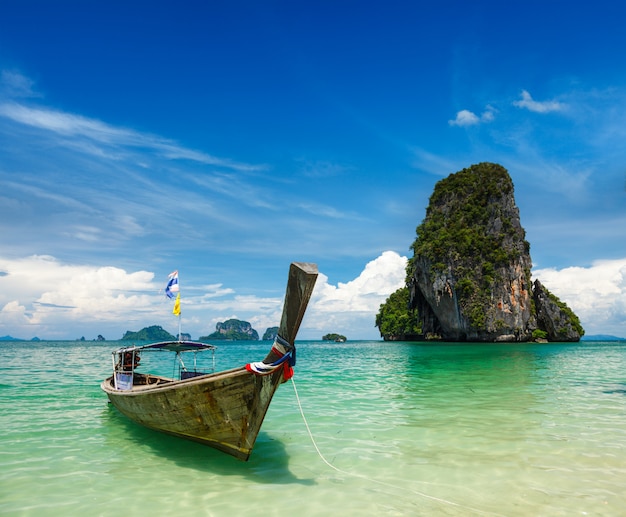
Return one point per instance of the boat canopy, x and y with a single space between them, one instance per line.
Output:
170 346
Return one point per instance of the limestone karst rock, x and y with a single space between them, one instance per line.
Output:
232 329
469 277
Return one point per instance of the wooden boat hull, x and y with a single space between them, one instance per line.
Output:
224 410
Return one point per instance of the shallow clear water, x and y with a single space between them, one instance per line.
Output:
403 428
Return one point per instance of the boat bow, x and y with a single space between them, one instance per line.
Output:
224 410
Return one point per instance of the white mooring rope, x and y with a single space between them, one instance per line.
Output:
421 494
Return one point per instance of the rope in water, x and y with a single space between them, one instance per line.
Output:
421 494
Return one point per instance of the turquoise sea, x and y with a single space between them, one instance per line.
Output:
398 429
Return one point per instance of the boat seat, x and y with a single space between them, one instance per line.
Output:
124 381
188 375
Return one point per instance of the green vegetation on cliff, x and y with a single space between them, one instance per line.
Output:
555 316
395 320
571 318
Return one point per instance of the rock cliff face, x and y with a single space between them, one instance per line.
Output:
270 334
557 321
470 277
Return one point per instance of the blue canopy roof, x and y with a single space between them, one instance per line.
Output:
172 346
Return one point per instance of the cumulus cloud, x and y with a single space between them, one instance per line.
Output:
528 103
346 308
350 308
42 296
468 118
597 294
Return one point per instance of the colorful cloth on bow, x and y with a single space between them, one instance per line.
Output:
261 368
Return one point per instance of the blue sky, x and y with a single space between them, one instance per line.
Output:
227 139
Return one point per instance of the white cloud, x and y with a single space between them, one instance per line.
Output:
437 165
468 118
528 103
14 84
596 294
42 296
97 135
324 210
464 118
350 308
346 308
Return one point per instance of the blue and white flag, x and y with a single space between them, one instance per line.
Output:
172 285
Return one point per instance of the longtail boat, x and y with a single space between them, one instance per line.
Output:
224 409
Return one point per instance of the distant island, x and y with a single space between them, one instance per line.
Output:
602 337
232 330
270 334
153 333
337 338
